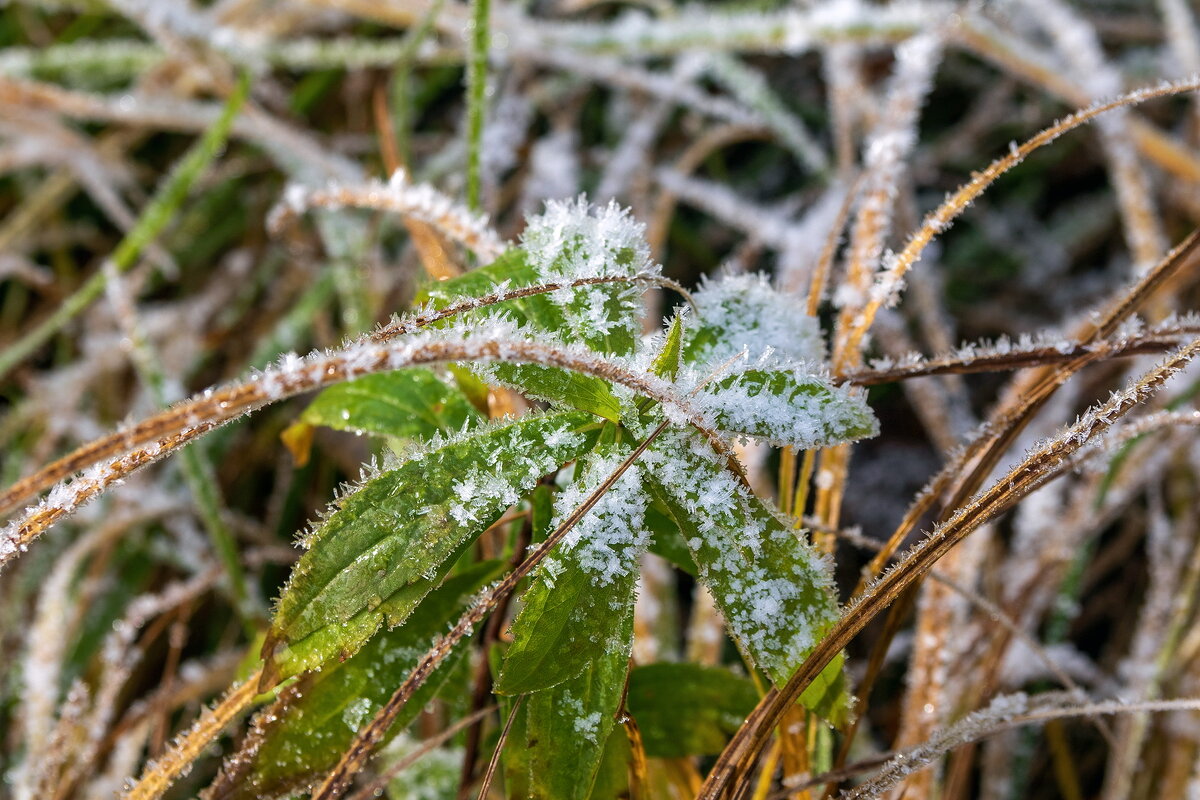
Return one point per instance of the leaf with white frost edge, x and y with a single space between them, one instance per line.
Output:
775 591
566 620
385 541
786 407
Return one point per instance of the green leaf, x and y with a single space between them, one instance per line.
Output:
561 386
566 622
668 539
612 776
474 389
378 554
688 709
327 708
775 590
406 404
788 407
667 362
563 626
546 312
568 725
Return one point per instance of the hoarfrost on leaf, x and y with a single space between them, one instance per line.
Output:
743 312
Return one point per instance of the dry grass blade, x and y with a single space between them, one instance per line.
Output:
1040 466
486 784
159 775
183 423
217 406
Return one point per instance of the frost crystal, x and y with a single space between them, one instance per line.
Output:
783 405
571 239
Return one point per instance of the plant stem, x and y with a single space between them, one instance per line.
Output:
476 97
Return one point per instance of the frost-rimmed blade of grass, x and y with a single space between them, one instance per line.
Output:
743 312
774 589
787 407
568 726
688 709
381 547
406 404
326 709
566 621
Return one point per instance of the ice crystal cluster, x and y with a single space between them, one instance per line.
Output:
609 541
739 313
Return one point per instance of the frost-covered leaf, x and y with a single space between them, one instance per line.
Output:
331 705
554 385
787 407
512 270
568 726
688 709
571 241
376 555
743 312
775 590
566 622
406 404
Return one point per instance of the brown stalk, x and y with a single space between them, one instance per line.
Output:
1041 466
432 248
163 772
186 419
486 785
482 688
375 787
1039 356
965 473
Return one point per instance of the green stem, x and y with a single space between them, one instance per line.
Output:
476 97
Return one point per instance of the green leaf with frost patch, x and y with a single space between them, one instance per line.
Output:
405 404
325 709
744 312
688 709
775 590
376 555
566 620
568 726
546 312
787 407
